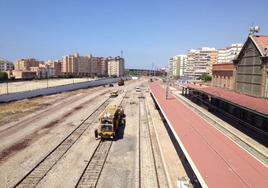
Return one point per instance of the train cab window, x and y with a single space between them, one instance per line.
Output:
106 127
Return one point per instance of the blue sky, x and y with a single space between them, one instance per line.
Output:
148 31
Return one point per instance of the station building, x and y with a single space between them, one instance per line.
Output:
246 102
251 67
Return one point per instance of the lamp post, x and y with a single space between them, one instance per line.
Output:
167 81
7 86
47 77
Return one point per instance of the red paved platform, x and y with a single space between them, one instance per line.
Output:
216 160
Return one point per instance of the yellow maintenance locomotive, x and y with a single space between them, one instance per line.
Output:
110 121
114 93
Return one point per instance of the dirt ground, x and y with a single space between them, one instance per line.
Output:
15 110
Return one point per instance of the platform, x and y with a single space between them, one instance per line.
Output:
216 160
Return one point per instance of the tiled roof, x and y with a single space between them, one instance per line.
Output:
262 42
259 105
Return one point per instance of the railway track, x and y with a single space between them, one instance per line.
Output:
33 177
91 173
93 169
48 111
148 174
9 151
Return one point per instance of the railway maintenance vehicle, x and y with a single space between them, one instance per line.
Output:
114 93
110 121
121 82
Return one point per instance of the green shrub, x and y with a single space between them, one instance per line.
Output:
206 77
3 76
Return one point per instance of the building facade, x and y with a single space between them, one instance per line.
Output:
69 64
227 55
56 66
251 67
99 66
223 75
177 66
76 65
25 64
6 65
116 66
19 74
200 61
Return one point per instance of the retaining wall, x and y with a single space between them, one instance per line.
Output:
57 89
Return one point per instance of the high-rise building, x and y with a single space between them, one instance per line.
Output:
177 66
84 65
6 65
55 65
69 64
199 62
99 66
116 66
25 64
77 65
227 55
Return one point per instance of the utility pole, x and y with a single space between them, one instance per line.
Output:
152 71
167 81
7 86
47 77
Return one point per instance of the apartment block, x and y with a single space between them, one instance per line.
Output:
6 65
116 66
200 61
177 66
227 55
99 66
41 72
56 66
77 65
25 64
69 64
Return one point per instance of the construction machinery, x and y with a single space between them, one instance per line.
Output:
114 93
121 82
111 120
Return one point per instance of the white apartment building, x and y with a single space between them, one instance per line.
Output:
177 66
116 66
226 55
6 65
199 62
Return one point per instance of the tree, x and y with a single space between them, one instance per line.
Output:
206 77
3 76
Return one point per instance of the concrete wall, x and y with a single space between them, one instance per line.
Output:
58 89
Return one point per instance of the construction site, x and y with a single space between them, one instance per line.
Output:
136 133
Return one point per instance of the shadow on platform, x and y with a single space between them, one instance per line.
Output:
120 132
